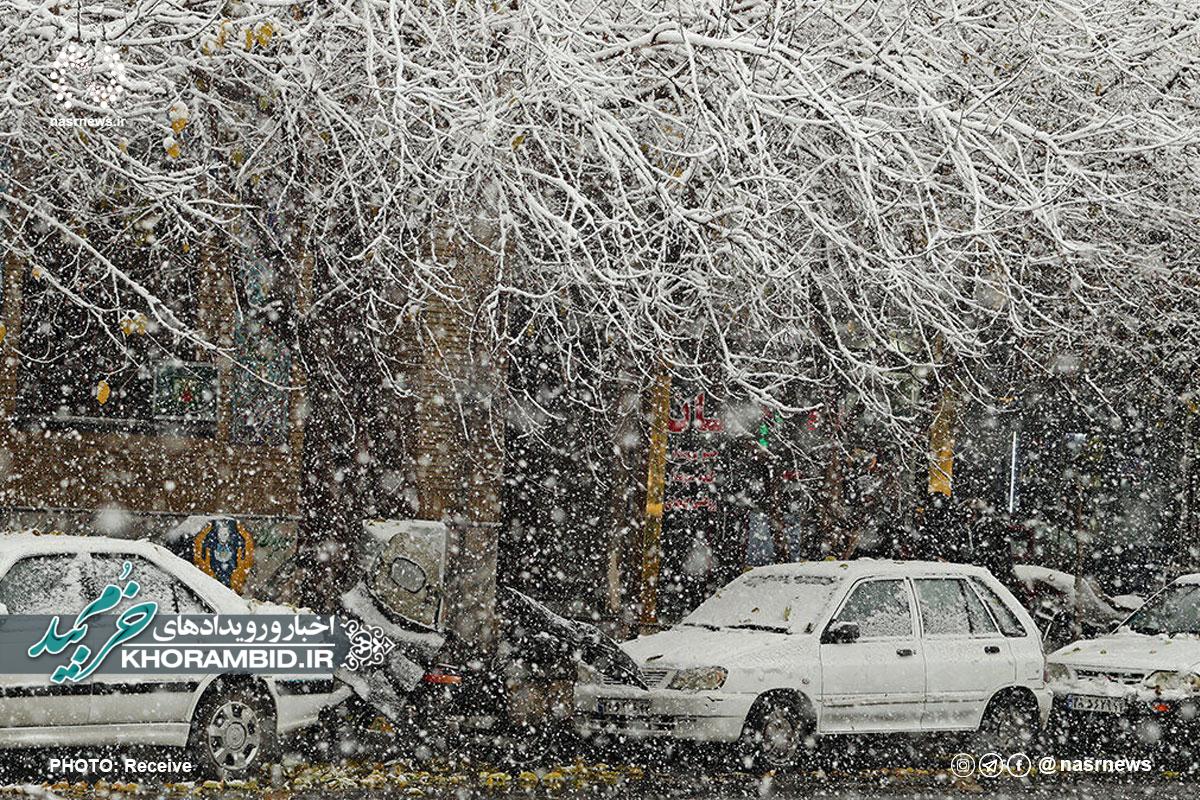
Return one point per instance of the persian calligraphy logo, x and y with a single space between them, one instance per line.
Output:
129 624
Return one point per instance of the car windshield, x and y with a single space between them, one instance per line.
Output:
1176 609
773 603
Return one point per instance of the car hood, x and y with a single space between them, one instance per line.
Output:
1131 651
684 646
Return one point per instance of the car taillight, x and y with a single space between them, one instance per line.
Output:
440 678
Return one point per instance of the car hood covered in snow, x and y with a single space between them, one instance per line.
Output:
685 646
1133 652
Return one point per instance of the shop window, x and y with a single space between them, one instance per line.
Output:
760 541
113 366
260 398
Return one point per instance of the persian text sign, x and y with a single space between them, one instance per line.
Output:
259 644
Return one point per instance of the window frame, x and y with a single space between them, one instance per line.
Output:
39 406
912 611
977 584
963 580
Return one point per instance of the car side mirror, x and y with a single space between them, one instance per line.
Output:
841 633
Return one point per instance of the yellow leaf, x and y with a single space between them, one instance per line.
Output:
185 247
178 124
102 392
264 34
173 151
3 331
518 140
249 38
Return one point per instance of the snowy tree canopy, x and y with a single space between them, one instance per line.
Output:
779 196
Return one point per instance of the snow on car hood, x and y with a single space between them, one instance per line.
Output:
685 646
1131 651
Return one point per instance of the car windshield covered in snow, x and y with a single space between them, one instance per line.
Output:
1176 609
782 603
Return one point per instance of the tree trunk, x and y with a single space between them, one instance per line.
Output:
459 446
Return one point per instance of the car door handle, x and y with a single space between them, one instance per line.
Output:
992 648
906 651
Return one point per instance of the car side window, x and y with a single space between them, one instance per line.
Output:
172 596
880 608
950 608
1009 624
48 584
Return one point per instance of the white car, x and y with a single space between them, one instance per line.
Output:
790 652
1146 672
230 723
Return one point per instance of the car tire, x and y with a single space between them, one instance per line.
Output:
233 732
777 735
1010 724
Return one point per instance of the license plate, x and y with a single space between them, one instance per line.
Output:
623 706
1094 704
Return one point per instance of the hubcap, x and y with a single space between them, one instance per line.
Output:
778 736
234 735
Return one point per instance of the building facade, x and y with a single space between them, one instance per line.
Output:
111 426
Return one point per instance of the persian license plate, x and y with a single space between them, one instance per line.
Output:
1094 704
624 706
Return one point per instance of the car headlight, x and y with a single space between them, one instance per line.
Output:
698 679
1170 681
1057 672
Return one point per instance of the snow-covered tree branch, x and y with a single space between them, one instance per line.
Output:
785 198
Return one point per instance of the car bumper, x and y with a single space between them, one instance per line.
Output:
1045 701
300 709
660 713
1142 718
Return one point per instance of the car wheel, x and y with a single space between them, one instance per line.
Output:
1009 725
233 732
776 736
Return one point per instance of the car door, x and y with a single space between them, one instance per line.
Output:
967 658
45 584
877 682
1029 658
137 699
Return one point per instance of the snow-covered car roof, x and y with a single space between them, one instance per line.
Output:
1193 577
861 567
17 545
14 545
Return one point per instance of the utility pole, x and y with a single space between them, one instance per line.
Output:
656 477
941 445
